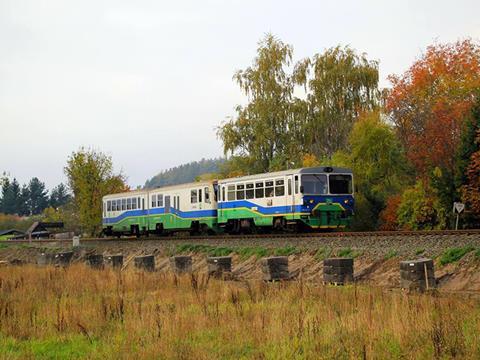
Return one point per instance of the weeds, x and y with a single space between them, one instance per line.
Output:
454 254
419 251
348 252
391 254
286 251
78 312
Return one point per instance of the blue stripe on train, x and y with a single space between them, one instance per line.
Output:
156 211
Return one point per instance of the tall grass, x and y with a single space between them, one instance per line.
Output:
78 312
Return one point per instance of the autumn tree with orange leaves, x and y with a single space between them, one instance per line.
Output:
429 105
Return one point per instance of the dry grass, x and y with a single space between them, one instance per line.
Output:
79 312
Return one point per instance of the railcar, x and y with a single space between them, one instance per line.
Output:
311 198
186 207
306 198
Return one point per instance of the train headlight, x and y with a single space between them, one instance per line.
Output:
346 201
311 201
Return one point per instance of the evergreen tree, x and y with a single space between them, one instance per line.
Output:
59 196
38 196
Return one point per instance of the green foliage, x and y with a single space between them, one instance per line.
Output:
323 253
348 252
275 129
74 347
66 213
59 196
391 254
244 252
286 251
419 251
420 209
90 177
248 252
260 129
185 173
454 254
340 85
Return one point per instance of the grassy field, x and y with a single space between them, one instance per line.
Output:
82 313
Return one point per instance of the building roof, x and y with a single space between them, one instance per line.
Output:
11 232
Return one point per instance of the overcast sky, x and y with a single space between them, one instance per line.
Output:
147 82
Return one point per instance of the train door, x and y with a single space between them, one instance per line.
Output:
167 204
290 194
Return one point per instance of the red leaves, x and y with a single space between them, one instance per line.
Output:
429 102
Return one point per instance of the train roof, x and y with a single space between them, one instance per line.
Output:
310 170
162 188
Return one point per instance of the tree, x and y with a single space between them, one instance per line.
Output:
59 196
429 102
342 85
38 200
420 209
468 144
10 196
471 190
260 129
378 163
90 176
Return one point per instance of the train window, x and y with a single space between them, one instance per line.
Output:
193 196
109 205
259 190
114 205
160 200
240 192
279 187
340 184
249 193
154 200
223 193
207 195
200 195
178 202
314 184
289 186
134 203
269 188
296 184
143 203
231 192
124 204
129 204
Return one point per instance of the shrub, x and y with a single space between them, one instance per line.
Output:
454 254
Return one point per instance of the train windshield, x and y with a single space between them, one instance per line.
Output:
314 184
340 184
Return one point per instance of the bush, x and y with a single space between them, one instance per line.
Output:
454 254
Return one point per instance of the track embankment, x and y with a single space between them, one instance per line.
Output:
377 255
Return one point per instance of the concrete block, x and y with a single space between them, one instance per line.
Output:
146 262
95 261
116 261
181 264
417 274
275 268
219 266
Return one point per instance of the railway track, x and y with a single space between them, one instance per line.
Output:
283 236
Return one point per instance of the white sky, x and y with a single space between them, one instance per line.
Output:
148 81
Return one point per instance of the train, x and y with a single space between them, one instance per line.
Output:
304 199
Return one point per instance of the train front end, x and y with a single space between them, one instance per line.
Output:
327 200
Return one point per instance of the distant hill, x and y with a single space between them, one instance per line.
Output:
185 173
